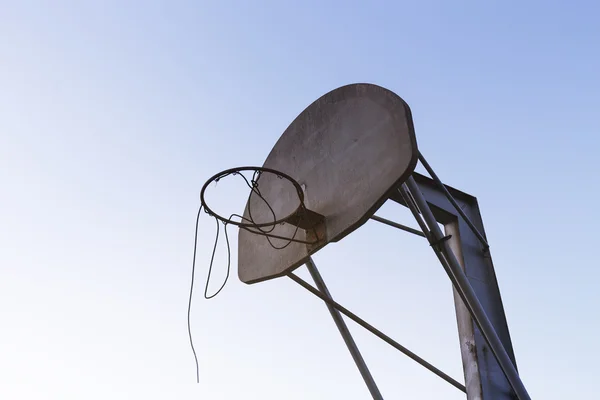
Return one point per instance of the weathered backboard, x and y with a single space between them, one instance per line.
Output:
348 150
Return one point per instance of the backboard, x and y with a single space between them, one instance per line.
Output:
348 151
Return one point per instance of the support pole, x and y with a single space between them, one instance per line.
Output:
465 290
398 226
346 335
465 324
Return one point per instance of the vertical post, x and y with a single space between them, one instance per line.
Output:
466 330
343 328
472 378
464 288
488 381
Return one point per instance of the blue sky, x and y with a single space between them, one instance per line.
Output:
113 114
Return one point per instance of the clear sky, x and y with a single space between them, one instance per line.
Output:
114 113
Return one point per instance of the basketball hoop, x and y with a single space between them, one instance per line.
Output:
300 216
344 156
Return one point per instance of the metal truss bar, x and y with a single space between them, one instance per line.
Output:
452 201
415 211
464 289
378 333
397 225
346 335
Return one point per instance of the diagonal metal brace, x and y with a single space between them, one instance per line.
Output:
345 332
378 333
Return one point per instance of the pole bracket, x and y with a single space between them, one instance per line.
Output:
436 243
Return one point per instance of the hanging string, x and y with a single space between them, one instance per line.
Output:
189 326
212 258
253 185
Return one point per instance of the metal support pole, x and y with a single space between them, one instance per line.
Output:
466 326
466 292
452 201
346 335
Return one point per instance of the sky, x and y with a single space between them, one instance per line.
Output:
114 113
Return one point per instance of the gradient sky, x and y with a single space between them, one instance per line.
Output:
114 113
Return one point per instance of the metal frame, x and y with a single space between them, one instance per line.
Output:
488 358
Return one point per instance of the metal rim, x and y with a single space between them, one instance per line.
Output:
231 171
